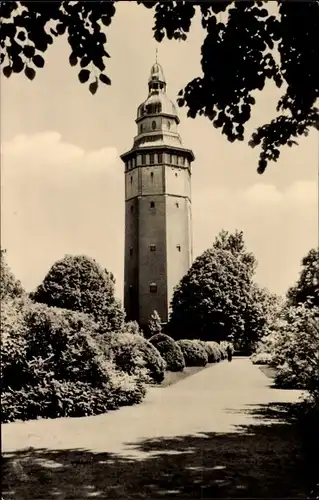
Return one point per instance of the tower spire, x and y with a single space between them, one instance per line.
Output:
156 54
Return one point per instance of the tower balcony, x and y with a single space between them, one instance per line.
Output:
157 138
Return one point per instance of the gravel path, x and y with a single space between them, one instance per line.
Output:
216 434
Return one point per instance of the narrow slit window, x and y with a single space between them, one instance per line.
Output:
177 205
153 288
178 247
131 251
152 248
131 180
132 208
152 204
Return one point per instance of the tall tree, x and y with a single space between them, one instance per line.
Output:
306 290
235 243
210 301
217 299
242 42
79 283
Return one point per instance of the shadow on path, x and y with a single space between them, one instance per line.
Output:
255 461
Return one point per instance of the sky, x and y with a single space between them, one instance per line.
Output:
62 181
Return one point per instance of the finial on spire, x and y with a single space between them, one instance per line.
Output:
156 54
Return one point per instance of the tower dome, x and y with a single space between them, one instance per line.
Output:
157 74
157 101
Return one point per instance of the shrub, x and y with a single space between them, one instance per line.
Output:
170 351
133 328
194 352
135 355
79 283
214 352
52 367
293 348
154 324
261 358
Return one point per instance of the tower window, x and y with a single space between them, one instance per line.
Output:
131 251
168 125
133 162
160 158
178 247
141 128
151 159
129 164
169 158
131 179
153 288
174 159
143 159
154 125
177 205
182 160
152 204
152 248
176 174
132 208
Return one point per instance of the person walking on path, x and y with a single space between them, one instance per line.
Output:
229 350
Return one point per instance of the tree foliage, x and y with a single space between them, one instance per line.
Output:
216 299
194 352
79 283
133 328
134 355
51 366
295 349
154 324
10 287
306 290
170 352
246 44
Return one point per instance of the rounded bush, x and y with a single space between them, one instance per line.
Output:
213 351
170 352
261 358
194 352
79 283
53 367
134 354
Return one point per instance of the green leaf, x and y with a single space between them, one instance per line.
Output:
105 79
84 75
38 61
93 87
29 73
